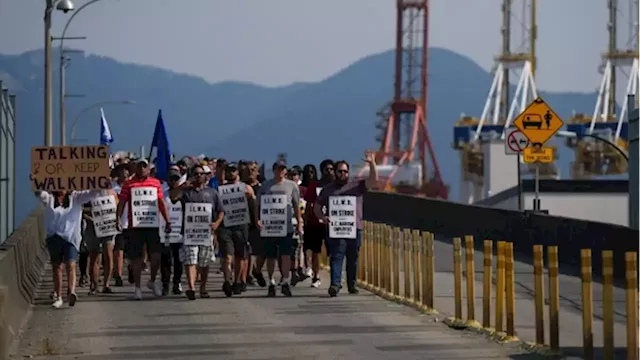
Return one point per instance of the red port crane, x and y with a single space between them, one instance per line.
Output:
405 118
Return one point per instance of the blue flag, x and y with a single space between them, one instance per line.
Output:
105 133
163 151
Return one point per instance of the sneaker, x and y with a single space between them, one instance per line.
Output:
316 283
84 281
353 290
165 289
118 280
272 291
191 295
137 294
53 295
156 287
237 288
302 275
286 290
107 290
295 278
93 288
177 289
243 287
227 289
334 290
72 299
308 272
57 303
260 278
250 280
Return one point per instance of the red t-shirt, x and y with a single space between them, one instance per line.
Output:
136 182
310 196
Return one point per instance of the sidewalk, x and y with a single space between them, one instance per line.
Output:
310 325
570 302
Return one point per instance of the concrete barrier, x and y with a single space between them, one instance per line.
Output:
525 230
22 259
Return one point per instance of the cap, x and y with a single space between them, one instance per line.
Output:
279 165
293 171
142 161
174 175
206 169
231 166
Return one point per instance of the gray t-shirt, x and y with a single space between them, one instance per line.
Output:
285 187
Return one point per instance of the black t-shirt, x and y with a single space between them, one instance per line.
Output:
256 188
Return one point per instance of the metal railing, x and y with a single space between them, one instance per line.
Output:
7 163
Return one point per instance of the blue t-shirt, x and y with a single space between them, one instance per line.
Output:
213 183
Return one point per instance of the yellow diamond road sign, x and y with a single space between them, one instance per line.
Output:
538 122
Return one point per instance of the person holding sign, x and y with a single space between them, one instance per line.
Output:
343 199
100 237
173 240
202 214
315 232
238 200
142 195
63 224
279 200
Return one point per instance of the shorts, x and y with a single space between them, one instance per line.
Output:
200 255
60 250
257 242
137 238
234 240
274 246
313 238
119 242
93 242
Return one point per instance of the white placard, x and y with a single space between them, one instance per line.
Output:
273 214
144 207
234 203
342 217
175 218
103 212
197 224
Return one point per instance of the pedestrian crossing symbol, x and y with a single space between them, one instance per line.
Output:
538 122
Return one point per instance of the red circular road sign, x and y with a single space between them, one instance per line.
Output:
516 141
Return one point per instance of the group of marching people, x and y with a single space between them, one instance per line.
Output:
203 210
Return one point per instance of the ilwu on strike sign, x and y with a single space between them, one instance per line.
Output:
342 215
273 214
197 224
103 209
234 202
144 207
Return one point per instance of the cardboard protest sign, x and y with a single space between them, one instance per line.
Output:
68 168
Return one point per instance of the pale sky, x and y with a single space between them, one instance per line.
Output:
276 42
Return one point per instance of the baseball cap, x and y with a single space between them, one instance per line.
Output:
293 171
231 166
142 161
279 165
206 169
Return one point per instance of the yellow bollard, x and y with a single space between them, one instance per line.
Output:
428 276
363 256
417 269
406 265
500 279
396 263
471 280
375 246
457 278
387 256
631 267
587 304
607 304
510 291
554 299
538 291
486 284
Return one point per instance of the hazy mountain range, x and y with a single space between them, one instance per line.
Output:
332 118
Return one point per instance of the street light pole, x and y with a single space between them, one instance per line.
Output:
48 120
62 74
90 107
